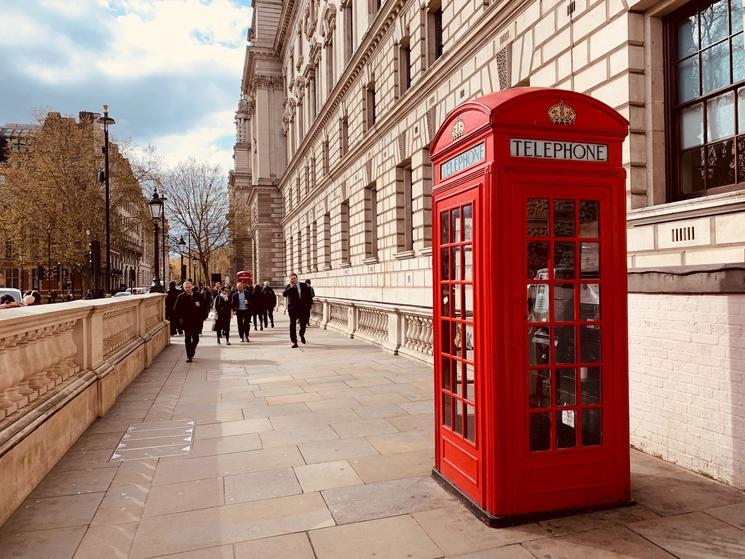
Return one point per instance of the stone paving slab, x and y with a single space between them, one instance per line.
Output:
321 452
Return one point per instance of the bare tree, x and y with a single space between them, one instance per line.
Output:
197 203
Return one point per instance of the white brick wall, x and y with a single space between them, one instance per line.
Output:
687 381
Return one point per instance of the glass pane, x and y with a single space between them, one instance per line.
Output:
446 300
592 427
539 388
590 382
720 164
537 260
741 159
590 267
467 222
468 255
566 386
720 117
444 228
470 375
457 268
457 301
471 423
738 57
458 339
692 126
468 341
566 434
538 302
692 171
688 86
447 410
563 302
741 110
589 301
564 344
455 225
446 373
446 331
715 67
589 217
537 217
445 264
540 431
468 301
564 267
589 339
714 22
458 423
564 218
538 348
688 36
737 15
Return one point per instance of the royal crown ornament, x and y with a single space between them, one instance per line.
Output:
562 114
458 129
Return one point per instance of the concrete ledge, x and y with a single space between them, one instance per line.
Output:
688 279
61 367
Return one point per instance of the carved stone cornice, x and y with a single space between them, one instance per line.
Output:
329 24
310 18
315 53
267 82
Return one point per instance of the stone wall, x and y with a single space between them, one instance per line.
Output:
687 381
61 367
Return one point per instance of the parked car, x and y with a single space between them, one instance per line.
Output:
122 294
15 293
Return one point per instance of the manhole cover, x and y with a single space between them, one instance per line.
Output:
155 440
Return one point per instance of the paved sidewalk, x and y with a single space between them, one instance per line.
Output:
319 452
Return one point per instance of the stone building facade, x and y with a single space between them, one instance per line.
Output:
341 99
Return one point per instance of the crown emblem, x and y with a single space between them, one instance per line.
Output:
562 114
458 129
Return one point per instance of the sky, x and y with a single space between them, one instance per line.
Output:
170 70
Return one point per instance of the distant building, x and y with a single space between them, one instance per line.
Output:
341 99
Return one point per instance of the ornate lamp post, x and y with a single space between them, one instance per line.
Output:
181 248
49 263
107 121
156 210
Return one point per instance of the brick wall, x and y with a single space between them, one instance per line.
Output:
687 381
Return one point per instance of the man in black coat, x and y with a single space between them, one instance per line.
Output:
241 302
270 301
190 311
173 293
298 305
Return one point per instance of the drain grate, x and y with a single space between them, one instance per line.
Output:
157 439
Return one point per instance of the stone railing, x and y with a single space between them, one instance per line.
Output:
400 329
61 366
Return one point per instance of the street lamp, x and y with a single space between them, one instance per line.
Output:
107 121
156 211
181 248
49 263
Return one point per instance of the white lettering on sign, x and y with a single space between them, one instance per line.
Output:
462 161
555 149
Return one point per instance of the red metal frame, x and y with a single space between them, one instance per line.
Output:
497 471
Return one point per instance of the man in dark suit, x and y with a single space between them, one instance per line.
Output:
298 305
241 303
190 311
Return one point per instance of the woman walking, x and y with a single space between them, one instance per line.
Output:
223 313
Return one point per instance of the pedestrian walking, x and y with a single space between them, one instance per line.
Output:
257 307
241 304
223 313
270 301
191 311
171 297
310 306
298 303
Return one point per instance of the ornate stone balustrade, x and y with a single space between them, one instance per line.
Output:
61 366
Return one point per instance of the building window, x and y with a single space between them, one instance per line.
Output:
404 65
326 236
348 31
343 135
434 32
706 104
371 222
312 172
370 108
313 101
404 208
329 68
325 157
374 8
299 251
344 233
307 179
291 255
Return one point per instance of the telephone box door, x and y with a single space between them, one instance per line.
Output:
567 376
458 393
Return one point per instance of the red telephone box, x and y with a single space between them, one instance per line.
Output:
244 277
530 309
